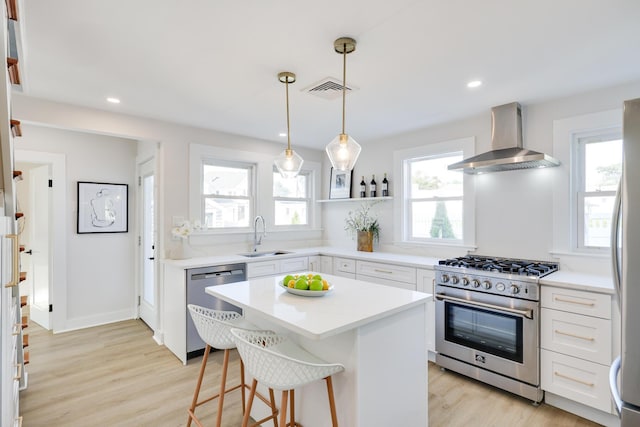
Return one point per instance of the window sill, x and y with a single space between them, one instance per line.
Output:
405 244
602 255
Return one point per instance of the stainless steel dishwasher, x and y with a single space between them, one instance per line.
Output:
197 280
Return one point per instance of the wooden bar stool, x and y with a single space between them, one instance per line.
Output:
278 363
214 327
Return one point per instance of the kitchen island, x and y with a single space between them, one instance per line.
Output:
377 332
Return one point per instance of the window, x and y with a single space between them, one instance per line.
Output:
434 198
598 168
227 194
291 199
437 204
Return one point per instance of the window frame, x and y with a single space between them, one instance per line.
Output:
251 197
564 200
310 176
402 223
579 142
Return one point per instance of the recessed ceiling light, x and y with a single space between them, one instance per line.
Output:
283 134
474 83
113 100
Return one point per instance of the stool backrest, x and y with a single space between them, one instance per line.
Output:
214 326
271 359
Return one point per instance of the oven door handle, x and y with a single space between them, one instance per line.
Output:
524 313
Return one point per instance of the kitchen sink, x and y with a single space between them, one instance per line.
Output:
263 254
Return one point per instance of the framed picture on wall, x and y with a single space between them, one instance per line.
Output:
102 207
340 186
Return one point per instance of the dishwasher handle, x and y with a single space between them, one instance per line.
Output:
214 274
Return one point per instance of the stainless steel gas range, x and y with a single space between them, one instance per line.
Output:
488 320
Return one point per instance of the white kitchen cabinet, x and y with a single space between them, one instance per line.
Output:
387 274
344 267
576 331
272 267
321 264
426 282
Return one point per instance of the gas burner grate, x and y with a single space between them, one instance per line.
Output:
502 265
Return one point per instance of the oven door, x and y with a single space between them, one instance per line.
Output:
492 332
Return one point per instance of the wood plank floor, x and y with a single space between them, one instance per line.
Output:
116 375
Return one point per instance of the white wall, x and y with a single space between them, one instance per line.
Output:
514 210
100 272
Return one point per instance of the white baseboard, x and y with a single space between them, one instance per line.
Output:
101 319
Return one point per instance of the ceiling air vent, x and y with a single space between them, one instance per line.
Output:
328 88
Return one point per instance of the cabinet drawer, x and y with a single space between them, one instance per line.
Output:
387 271
580 302
576 379
345 265
387 282
263 268
294 264
576 335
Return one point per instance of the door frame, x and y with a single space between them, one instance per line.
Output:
141 164
58 232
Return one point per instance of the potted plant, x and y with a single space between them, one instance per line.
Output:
363 225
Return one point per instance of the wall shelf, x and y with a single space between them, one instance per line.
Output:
355 199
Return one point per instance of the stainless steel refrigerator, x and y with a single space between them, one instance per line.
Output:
624 377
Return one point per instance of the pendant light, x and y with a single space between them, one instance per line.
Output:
288 162
343 151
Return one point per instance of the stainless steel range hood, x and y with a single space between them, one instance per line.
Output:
506 141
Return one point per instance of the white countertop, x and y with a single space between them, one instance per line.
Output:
352 303
398 259
566 279
579 281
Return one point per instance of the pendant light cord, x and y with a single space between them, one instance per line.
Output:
286 85
344 82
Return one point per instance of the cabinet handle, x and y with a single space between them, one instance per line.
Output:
589 304
19 372
558 374
15 274
377 270
569 334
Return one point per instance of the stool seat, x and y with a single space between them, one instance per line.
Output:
278 363
214 328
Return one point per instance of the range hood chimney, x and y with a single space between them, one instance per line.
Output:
506 142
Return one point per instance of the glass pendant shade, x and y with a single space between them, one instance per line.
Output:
343 152
288 163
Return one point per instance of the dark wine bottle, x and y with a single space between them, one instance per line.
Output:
372 186
363 188
385 186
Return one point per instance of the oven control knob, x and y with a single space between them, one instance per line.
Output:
486 284
454 280
500 286
475 283
515 289
445 278
465 281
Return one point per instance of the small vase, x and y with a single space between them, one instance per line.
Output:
183 250
365 241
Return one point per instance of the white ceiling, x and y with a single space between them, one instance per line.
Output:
214 63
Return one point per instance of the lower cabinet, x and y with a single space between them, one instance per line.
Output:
387 274
321 264
276 266
344 267
576 331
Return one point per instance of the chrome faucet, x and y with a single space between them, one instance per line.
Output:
257 240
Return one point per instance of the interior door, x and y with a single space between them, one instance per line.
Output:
148 301
39 215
